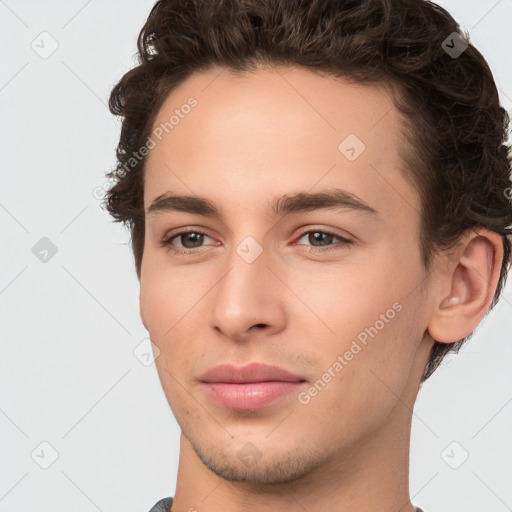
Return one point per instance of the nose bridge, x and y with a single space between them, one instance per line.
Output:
246 295
245 281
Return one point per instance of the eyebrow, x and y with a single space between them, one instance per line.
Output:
333 199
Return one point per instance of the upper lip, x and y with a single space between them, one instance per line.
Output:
253 372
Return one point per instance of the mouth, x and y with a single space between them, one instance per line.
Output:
250 395
251 387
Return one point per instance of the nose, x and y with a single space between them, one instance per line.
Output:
248 299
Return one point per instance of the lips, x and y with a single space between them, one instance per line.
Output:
254 372
250 387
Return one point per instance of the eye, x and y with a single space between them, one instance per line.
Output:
324 239
190 242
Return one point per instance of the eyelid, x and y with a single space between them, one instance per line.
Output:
324 229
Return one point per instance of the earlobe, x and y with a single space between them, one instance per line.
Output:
471 288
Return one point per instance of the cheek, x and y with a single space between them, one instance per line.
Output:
165 297
170 304
371 364
366 313
349 296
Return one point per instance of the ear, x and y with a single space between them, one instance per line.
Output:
472 280
141 311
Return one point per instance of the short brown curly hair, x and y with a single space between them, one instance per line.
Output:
460 162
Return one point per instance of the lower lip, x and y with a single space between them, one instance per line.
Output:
249 396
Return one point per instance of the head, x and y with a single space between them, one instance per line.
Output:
250 106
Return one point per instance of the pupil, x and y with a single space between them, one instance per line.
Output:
195 243
319 237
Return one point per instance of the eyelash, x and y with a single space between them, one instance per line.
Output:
167 243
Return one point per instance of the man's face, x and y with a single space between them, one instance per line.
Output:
283 289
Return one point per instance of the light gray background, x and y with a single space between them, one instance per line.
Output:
69 326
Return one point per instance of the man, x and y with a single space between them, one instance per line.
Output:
318 199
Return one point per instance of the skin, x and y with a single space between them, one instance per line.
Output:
276 132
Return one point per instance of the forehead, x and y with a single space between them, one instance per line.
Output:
277 130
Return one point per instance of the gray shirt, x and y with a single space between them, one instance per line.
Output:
164 504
